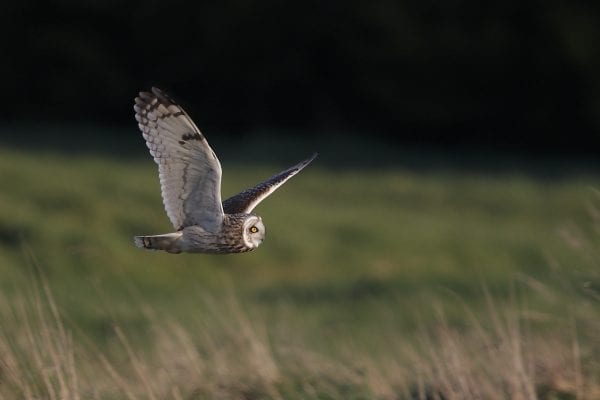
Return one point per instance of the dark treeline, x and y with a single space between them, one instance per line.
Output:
514 73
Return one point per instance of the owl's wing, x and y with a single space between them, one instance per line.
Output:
245 201
190 173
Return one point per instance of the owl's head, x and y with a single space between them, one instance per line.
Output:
253 231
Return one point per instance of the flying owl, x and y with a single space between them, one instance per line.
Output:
190 179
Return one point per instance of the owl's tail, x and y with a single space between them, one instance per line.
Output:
168 242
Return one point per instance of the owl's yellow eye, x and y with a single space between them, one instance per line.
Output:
253 229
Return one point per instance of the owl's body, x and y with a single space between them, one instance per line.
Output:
195 239
190 177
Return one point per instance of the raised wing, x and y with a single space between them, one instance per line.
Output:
245 201
190 173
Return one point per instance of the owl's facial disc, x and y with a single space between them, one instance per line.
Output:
254 231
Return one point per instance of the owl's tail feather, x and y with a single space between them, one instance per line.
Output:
168 242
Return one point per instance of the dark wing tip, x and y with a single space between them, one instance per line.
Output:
144 100
304 163
162 96
157 91
144 97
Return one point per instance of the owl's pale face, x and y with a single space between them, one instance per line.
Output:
253 231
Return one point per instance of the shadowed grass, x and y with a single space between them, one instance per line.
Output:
235 351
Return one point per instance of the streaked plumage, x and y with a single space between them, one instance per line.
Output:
190 179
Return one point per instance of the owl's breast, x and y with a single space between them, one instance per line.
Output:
227 240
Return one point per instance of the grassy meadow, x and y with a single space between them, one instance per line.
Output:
387 282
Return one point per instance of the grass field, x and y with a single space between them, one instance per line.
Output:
372 283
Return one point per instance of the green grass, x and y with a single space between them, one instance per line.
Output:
362 273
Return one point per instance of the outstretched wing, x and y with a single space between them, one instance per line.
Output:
245 201
190 173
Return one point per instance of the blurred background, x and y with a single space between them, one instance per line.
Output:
517 75
444 244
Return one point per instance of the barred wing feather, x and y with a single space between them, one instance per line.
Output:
189 171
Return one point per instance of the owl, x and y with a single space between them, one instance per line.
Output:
190 179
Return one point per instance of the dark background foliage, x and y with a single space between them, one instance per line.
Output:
518 74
